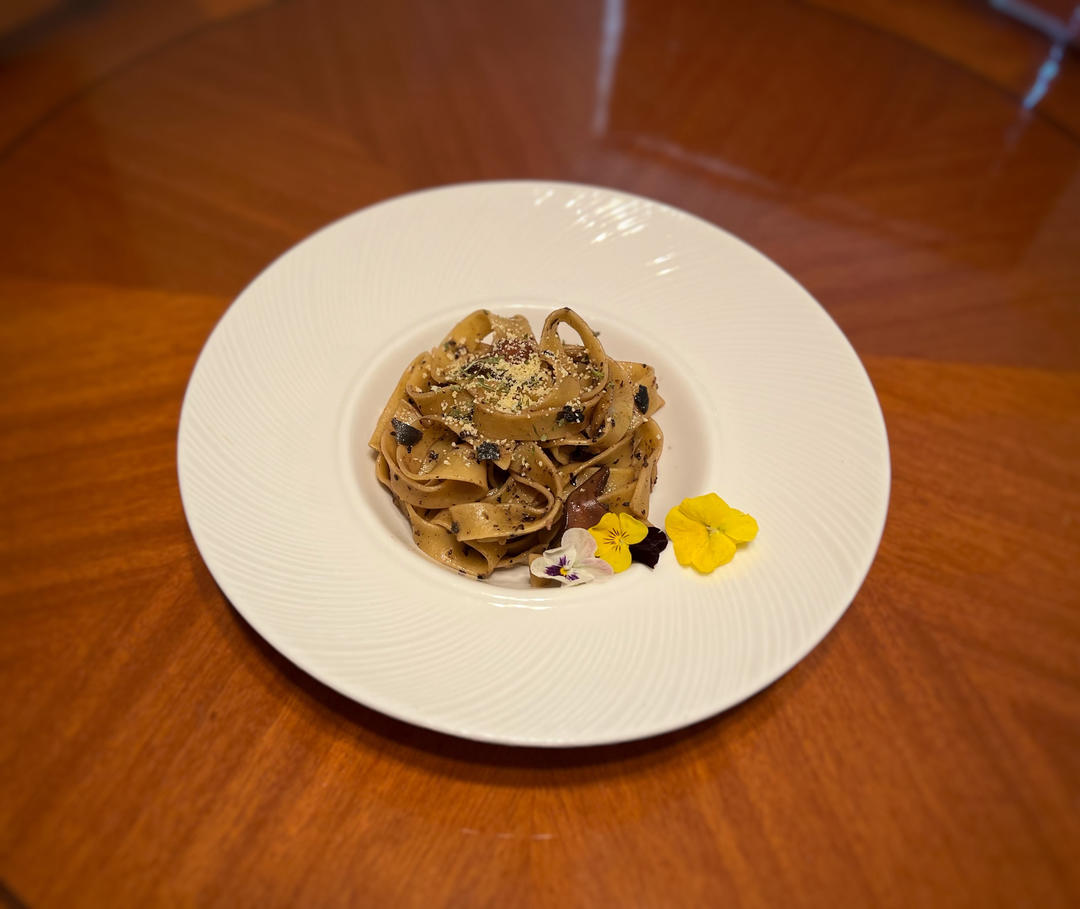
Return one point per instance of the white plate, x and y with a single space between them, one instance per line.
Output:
768 405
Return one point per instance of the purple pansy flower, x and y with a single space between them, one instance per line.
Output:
574 562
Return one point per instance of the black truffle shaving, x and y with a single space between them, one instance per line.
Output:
648 550
404 433
572 414
487 451
641 399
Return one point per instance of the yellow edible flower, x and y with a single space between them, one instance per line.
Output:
705 531
614 535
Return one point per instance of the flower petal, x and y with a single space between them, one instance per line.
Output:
610 545
599 569
740 526
648 550
567 565
618 557
609 522
609 542
555 556
632 529
719 550
581 541
540 565
688 536
708 509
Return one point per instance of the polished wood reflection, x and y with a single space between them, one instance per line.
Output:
155 751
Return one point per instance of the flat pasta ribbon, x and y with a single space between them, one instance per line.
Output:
487 434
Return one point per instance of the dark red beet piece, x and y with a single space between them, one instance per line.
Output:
582 507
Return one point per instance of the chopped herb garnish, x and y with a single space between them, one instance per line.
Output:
480 365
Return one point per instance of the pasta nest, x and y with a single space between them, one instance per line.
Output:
488 433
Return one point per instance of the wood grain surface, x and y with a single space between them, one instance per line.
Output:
154 751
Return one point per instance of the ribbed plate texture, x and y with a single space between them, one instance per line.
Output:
768 405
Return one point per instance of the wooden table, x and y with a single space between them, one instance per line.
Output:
154 157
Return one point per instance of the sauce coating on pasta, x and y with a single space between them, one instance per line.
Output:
487 434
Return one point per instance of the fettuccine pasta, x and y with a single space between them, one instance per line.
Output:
486 435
